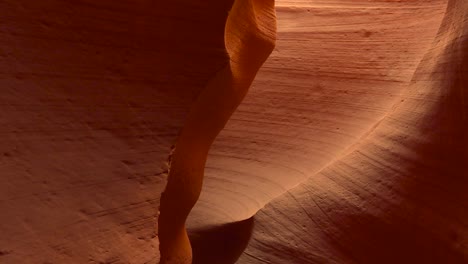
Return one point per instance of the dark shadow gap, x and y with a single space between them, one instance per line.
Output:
220 244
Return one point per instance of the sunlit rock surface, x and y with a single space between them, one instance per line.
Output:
349 147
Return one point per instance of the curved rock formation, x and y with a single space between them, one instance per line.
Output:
399 194
343 65
249 38
350 146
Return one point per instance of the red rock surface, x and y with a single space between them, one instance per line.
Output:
350 146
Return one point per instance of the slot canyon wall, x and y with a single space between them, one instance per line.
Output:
350 145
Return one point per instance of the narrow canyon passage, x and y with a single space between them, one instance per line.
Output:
349 147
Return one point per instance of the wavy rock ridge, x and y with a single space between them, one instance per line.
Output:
343 67
399 196
249 39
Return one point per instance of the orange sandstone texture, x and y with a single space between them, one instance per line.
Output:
249 38
92 96
351 140
400 194
337 69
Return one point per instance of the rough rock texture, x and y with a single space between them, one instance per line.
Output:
351 143
400 194
92 96
336 71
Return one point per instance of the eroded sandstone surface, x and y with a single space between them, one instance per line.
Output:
349 144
